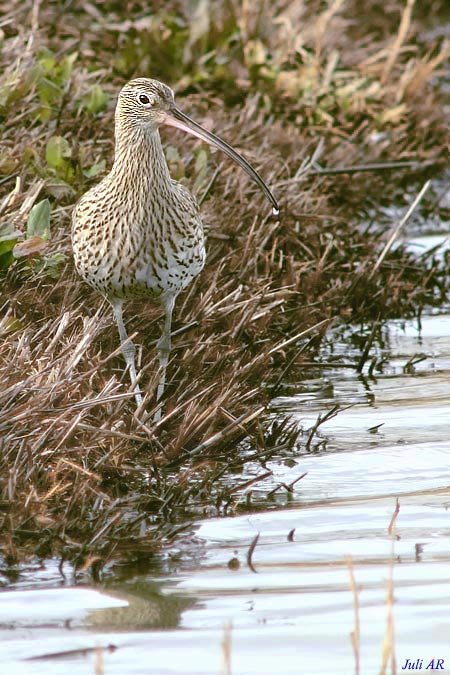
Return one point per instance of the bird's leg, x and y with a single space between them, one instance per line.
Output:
128 348
163 347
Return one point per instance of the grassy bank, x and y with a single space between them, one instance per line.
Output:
303 89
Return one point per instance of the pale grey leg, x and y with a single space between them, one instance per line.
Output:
163 347
128 348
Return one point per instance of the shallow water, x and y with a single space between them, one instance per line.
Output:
295 613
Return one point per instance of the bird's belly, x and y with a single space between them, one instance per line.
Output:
134 266
172 269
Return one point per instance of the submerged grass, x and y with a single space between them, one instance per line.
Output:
302 88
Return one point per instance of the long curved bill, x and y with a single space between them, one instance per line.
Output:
176 118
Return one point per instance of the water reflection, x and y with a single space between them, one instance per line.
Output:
296 613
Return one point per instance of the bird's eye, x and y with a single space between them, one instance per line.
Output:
144 99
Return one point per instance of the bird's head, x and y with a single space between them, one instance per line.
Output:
147 104
144 103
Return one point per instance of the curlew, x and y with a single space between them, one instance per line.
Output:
138 233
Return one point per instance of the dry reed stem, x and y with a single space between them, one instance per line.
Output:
388 654
226 649
99 669
355 634
399 40
323 23
399 226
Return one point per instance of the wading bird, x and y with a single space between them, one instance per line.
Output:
138 233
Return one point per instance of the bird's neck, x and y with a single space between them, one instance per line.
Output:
139 161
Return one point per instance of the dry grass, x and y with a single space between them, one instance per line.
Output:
80 477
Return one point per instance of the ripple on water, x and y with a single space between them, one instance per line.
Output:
295 615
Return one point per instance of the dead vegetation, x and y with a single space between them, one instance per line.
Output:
304 89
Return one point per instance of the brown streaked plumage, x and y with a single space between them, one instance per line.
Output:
138 233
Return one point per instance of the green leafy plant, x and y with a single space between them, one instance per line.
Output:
8 239
31 247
